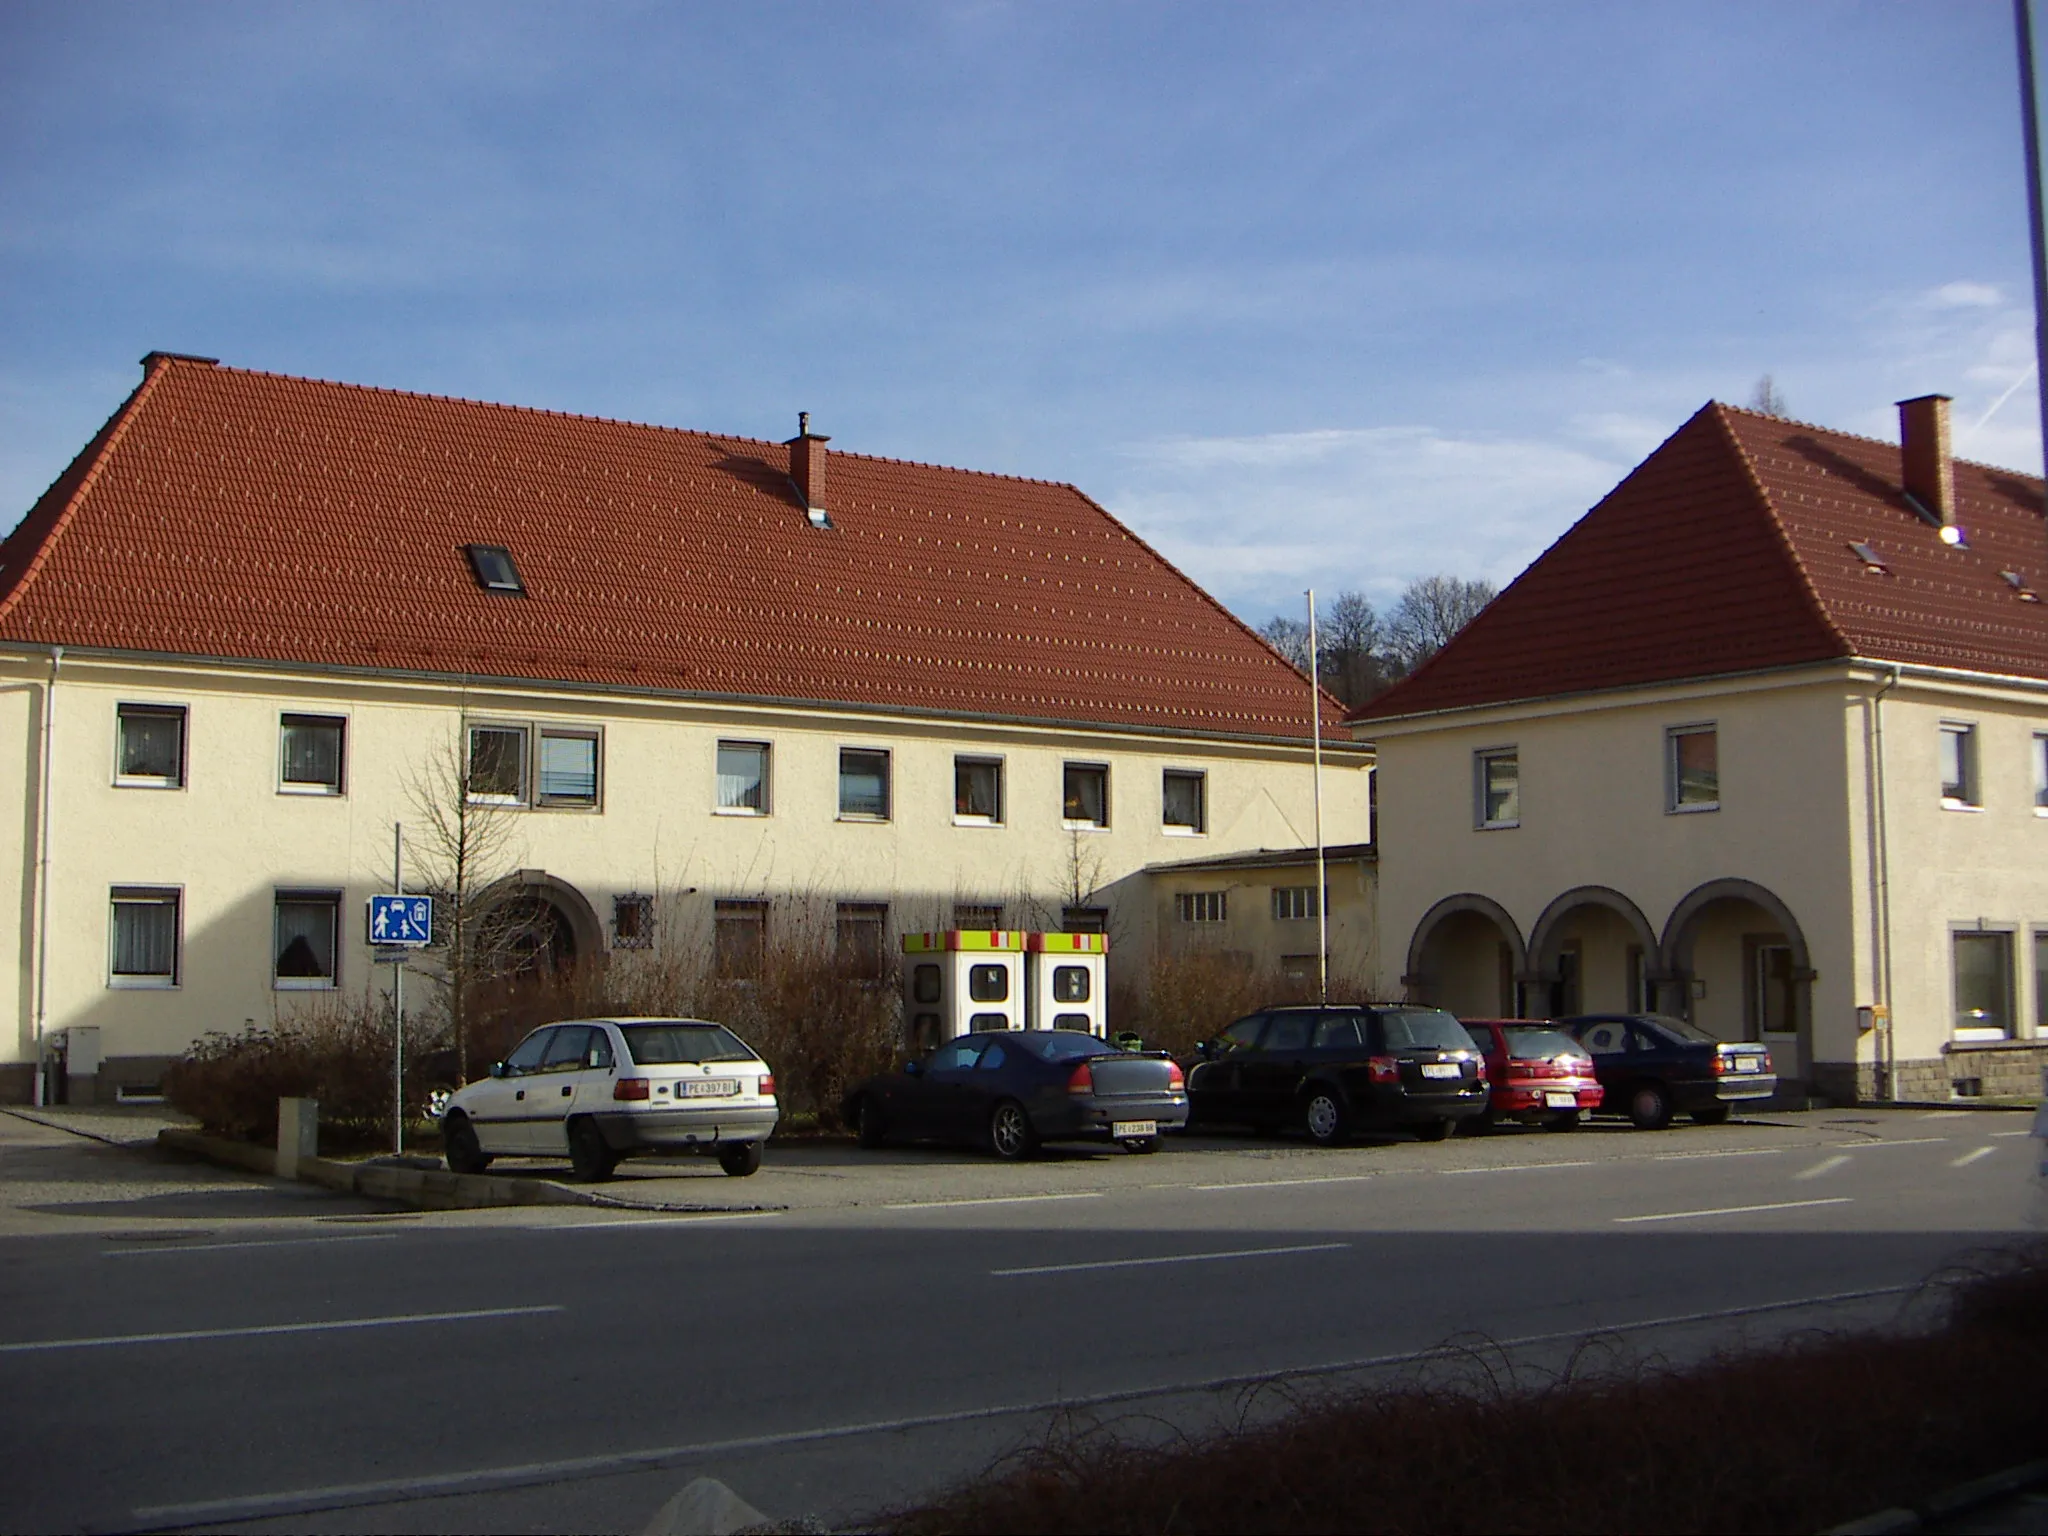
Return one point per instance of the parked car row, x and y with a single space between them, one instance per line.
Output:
599 1090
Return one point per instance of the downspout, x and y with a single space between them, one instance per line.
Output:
1888 1046
43 873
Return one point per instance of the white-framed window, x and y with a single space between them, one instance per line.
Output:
305 933
743 778
497 764
1084 795
1293 903
312 753
739 938
863 784
1959 789
1692 768
978 791
144 937
632 921
1983 983
1497 787
1184 801
2041 773
149 746
1201 906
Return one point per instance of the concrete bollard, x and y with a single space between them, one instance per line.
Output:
298 1134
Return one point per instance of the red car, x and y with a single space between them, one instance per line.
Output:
1540 1075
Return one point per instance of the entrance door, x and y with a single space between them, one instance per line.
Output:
1771 1008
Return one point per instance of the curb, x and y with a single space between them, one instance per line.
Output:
422 1188
1946 1505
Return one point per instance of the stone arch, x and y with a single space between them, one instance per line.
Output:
1681 934
1678 937
1546 988
554 912
1543 938
1420 982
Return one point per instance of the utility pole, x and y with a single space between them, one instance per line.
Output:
2023 20
1315 717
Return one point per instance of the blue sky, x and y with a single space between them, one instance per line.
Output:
1306 293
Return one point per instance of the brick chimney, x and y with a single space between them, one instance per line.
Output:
1923 453
807 464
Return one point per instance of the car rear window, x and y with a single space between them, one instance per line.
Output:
1679 1029
1062 1044
1541 1044
1427 1029
662 1045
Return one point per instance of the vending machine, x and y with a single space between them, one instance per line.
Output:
959 981
1066 981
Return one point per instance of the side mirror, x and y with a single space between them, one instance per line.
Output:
913 1069
496 1069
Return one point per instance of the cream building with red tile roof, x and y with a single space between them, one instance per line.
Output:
1763 740
726 674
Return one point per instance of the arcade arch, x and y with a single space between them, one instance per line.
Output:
1466 955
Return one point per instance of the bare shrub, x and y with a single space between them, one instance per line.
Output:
1191 993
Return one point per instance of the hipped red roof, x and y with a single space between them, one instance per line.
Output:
239 515
1728 551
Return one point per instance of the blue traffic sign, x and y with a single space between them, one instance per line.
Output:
405 920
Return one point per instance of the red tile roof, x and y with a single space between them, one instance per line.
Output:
242 515
1728 551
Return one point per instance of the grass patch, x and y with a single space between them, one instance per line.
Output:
1817 1430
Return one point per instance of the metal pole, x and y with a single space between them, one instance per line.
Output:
398 1000
1315 715
2022 11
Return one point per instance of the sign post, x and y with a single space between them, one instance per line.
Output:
399 923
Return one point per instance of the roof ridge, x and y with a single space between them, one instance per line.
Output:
1859 437
1784 538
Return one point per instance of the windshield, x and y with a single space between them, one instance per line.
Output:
1541 1044
1429 1029
667 1045
1063 1044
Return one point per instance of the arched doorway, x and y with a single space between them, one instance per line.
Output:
1592 951
540 949
1741 970
1465 956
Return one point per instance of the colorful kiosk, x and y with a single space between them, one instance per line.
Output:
959 981
1066 981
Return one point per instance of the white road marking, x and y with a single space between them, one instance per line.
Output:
1903 1141
1328 1178
400 1321
1970 1157
1176 1258
276 1242
1939 1114
2001 1135
1735 1210
1825 1165
1687 1157
635 1223
1515 1167
304 1501
940 1205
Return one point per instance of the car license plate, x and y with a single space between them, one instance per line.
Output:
1748 1064
1439 1069
711 1088
1561 1100
1127 1128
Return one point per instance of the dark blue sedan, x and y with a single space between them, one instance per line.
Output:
1010 1090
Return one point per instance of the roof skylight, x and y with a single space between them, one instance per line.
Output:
492 565
1873 562
2019 585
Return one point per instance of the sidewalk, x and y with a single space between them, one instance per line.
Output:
118 1125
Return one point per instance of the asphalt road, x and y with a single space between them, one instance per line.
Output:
225 1355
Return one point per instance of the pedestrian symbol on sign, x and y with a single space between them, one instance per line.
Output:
407 920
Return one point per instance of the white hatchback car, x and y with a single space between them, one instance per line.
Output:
602 1089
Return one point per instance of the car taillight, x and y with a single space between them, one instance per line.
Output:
767 1089
1383 1069
1176 1082
1767 1061
1081 1080
630 1088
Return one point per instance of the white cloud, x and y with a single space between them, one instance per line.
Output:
1966 296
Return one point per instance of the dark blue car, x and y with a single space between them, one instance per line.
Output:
1009 1090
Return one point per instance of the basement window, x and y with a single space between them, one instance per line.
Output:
1873 562
493 567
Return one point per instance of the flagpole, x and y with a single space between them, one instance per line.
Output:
1315 715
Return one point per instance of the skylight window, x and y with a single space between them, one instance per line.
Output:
2019 585
492 564
1873 562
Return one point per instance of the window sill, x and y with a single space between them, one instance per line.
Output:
499 802
737 810
312 791
586 807
975 821
1960 805
1497 826
1692 810
143 983
302 984
1171 831
137 782
857 816
1083 826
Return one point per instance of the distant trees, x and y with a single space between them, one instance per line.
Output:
1361 654
1766 399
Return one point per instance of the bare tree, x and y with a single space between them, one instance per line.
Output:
460 845
1766 399
1430 613
1353 644
1290 638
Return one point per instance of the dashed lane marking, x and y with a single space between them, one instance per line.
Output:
1970 1157
1734 1210
1903 1141
1326 1178
159 1250
1688 1157
1171 1258
1825 1165
941 1205
1516 1167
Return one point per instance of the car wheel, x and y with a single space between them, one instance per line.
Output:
1433 1130
1010 1132
1713 1114
1323 1114
1568 1121
1142 1144
465 1153
1649 1106
592 1160
740 1158
869 1128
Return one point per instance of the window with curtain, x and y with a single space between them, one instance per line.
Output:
145 937
568 768
1184 801
743 777
311 747
863 784
497 764
151 750
978 789
307 927
1086 798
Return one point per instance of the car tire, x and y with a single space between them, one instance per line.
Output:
1712 1114
1649 1106
740 1158
869 1128
1322 1113
1568 1121
1141 1144
1010 1133
589 1156
1433 1130
458 1140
